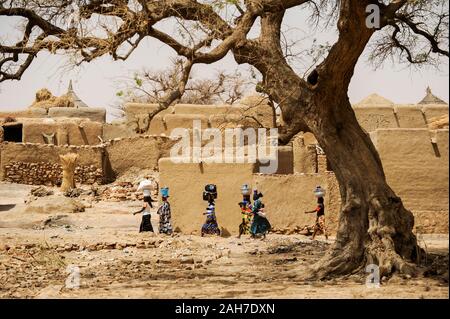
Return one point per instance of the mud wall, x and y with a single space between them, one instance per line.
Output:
34 112
117 130
399 116
287 197
136 152
304 156
70 132
182 115
416 166
94 114
186 183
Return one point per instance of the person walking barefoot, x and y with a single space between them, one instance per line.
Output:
319 226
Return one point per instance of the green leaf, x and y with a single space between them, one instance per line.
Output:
138 81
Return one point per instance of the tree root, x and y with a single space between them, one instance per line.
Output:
344 262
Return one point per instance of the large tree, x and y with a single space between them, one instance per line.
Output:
374 226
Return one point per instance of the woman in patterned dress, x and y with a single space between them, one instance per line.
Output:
246 211
210 227
165 227
260 224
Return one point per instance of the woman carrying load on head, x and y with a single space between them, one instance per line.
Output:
146 223
319 226
246 211
260 224
165 227
210 226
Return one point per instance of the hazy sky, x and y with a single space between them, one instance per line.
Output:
97 82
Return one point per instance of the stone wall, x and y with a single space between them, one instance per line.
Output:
16 160
49 174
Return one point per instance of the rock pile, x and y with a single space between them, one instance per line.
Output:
305 230
61 247
49 174
41 192
55 204
121 191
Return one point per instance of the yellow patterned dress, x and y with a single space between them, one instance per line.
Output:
246 212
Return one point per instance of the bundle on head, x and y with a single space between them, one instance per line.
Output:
68 163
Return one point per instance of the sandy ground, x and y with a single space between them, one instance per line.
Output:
41 255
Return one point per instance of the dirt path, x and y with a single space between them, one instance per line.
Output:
38 251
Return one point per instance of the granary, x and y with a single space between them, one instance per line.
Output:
430 98
375 100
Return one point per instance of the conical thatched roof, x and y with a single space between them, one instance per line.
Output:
375 100
430 98
74 97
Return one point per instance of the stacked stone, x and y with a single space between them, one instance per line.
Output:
88 175
49 174
40 173
119 192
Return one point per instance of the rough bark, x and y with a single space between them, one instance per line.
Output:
374 226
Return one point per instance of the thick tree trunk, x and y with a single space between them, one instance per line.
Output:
374 226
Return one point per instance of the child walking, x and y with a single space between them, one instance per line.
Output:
319 227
